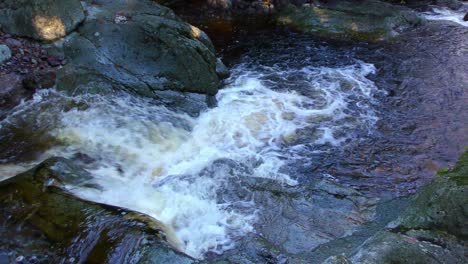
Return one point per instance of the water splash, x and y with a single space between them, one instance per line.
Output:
444 13
154 160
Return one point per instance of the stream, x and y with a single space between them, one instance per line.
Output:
271 115
293 112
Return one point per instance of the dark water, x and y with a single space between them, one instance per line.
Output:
296 110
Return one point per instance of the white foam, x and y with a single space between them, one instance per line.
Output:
444 13
151 159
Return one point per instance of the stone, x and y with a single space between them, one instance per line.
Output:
42 218
13 42
465 18
221 69
45 20
39 80
5 53
441 205
388 247
11 92
366 20
337 260
153 50
432 229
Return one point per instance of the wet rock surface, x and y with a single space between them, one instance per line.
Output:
141 48
5 53
339 212
40 19
432 228
361 21
42 223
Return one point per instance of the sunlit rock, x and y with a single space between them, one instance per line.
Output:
40 19
140 47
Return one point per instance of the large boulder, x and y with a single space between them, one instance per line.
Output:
41 222
366 20
40 19
140 47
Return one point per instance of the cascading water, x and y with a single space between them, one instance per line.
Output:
151 159
444 13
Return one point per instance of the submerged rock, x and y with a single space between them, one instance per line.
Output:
139 47
40 219
367 20
40 19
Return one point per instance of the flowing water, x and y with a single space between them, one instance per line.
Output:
157 160
444 13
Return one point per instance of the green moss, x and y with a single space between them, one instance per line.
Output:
459 173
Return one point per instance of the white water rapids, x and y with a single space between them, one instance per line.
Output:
149 158
444 13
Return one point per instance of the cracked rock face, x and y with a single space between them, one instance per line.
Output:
140 47
45 20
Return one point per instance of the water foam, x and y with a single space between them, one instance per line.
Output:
444 13
151 159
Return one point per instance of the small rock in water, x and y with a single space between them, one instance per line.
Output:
465 18
5 53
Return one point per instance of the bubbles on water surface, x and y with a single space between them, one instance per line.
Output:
157 161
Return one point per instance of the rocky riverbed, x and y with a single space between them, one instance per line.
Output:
331 136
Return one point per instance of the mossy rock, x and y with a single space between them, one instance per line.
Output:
367 20
441 205
39 217
387 248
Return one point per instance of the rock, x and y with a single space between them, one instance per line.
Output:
442 205
40 19
5 53
54 61
366 20
465 18
153 50
292 221
39 80
11 92
431 230
13 42
40 218
388 247
221 69
337 260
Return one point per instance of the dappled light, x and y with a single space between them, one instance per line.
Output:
196 32
49 28
233 131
